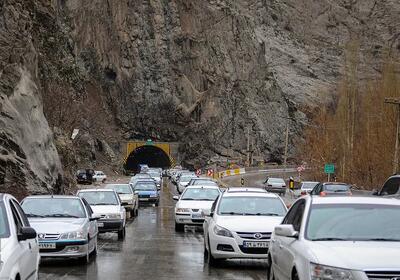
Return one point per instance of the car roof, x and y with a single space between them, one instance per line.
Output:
52 196
335 183
251 191
96 190
353 200
202 187
116 184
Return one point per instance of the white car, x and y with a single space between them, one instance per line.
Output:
240 224
129 199
192 204
19 245
99 176
346 238
305 188
156 177
106 206
184 181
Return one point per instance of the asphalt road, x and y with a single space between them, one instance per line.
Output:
152 250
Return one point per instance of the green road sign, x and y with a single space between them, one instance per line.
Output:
329 168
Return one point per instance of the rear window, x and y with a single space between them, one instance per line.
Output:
391 186
336 188
4 229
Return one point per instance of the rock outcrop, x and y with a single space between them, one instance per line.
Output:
201 73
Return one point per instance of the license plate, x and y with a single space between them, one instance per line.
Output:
100 224
47 245
144 199
197 216
255 244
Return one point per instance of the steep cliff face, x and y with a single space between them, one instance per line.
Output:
203 72
29 161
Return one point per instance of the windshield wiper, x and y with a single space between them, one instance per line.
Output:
381 239
188 198
329 239
62 216
104 204
35 215
231 213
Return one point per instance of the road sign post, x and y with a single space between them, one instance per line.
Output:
329 169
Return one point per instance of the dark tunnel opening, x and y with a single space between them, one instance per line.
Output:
150 155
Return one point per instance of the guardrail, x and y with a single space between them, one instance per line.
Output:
231 172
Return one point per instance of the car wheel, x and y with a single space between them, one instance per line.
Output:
133 213
179 227
94 252
136 212
121 234
157 203
271 275
103 181
210 258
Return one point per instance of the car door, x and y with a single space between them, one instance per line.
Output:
208 220
93 230
278 242
28 249
287 243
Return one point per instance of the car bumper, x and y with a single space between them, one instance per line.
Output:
186 219
65 249
110 225
276 189
148 199
231 248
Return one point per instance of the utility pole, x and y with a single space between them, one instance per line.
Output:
286 146
248 146
396 102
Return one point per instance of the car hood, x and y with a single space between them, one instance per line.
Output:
195 204
249 223
56 225
147 192
359 255
105 209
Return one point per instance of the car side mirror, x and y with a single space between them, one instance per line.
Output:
91 219
175 197
286 231
26 233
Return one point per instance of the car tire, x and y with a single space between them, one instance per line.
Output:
121 234
94 252
210 258
179 227
133 213
157 203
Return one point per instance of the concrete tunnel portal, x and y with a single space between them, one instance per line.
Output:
153 156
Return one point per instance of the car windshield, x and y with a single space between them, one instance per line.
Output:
4 229
200 194
276 181
205 183
154 174
336 188
251 205
120 189
100 197
308 185
53 207
355 222
145 187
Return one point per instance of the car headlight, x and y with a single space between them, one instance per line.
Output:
113 216
222 231
323 272
73 235
182 210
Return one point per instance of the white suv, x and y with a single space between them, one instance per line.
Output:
240 224
346 238
19 245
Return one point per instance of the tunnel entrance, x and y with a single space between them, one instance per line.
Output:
150 155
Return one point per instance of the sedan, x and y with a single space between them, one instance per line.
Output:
348 238
65 226
305 188
107 206
147 192
240 224
331 188
19 247
129 199
193 203
276 185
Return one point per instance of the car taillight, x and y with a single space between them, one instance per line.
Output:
322 194
303 193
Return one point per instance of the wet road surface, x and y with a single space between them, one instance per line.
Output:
152 250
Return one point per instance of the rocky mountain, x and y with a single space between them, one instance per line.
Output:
199 72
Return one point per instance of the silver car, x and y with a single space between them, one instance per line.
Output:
129 199
65 226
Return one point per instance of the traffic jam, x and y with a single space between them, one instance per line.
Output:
329 230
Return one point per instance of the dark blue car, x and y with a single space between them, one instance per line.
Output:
147 192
